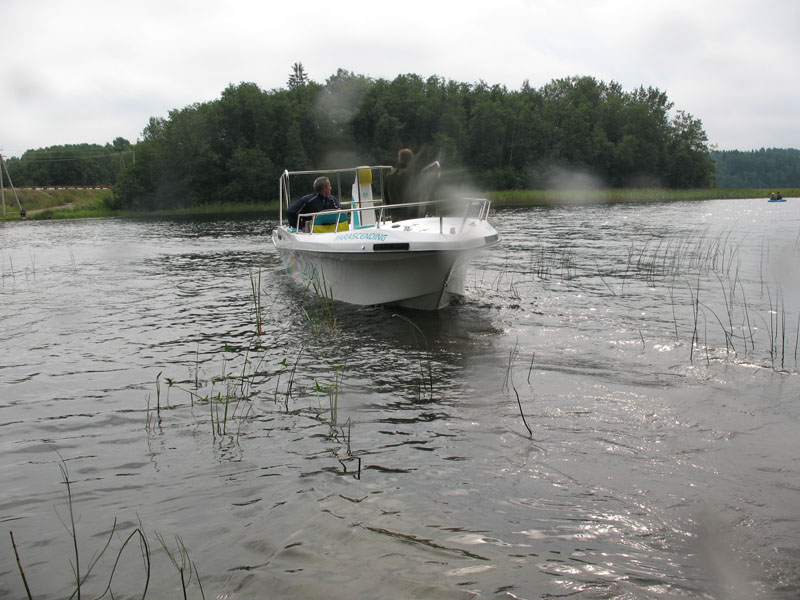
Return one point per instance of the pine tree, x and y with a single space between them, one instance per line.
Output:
299 77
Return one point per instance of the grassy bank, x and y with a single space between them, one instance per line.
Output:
88 203
548 197
72 204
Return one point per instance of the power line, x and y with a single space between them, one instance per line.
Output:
65 159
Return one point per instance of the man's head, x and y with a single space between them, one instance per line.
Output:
322 185
404 157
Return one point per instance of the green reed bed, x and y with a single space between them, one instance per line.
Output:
511 198
680 264
699 274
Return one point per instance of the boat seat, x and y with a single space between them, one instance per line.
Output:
327 222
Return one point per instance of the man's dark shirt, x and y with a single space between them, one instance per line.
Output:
310 203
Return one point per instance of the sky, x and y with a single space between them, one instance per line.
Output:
89 71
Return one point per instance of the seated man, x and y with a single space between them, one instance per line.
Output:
320 200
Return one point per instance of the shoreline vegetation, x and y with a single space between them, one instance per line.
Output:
42 204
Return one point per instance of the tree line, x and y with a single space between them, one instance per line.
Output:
233 149
773 167
72 164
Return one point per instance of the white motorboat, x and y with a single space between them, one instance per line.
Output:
358 254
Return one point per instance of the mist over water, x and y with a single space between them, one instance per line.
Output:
652 349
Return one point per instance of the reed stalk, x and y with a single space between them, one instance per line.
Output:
255 286
72 260
322 314
183 564
415 328
81 579
19 566
158 394
530 367
145 551
71 527
333 394
148 423
510 381
696 314
797 337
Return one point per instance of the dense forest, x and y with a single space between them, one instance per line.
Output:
773 167
233 149
72 164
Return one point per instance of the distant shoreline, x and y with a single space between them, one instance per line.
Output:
43 202
524 198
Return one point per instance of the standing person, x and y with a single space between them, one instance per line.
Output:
321 199
399 187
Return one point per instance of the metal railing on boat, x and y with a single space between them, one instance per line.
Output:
353 207
481 204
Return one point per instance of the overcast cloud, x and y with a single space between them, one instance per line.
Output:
90 70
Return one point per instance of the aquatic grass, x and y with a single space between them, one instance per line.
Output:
509 381
232 404
776 327
322 313
671 290
333 394
144 547
70 526
255 286
721 311
72 261
426 380
179 557
797 336
287 395
292 371
603 280
19 567
182 563
76 567
158 393
349 451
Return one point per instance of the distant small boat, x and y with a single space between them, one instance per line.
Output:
777 200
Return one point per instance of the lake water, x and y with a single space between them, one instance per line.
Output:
652 349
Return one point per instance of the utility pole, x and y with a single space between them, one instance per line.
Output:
11 183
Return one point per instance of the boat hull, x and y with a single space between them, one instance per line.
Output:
415 266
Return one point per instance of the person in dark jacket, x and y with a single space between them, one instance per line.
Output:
399 187
321 199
